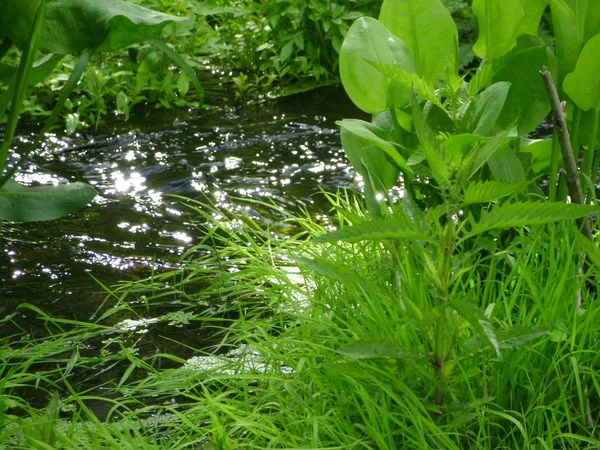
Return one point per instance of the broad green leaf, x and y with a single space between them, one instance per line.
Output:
377 170
529 213
429 32
368 41
481 155
583 84
541 151
498 24
489 191
30 204
376 137
398 226
477 319
592 21
526 102
530 23
568 38
374 349
485 109
506 166
71 26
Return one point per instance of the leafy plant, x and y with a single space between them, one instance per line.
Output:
454 143
63 27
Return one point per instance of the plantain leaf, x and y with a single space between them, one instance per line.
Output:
30 204
568 38
498 23
377 137
429 32
488 191
398 226
583 85
366 42
529 213
478 320
485 109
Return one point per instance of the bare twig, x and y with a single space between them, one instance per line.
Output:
560 125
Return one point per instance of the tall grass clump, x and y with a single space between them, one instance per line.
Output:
320 344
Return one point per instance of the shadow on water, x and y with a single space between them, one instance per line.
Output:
281 150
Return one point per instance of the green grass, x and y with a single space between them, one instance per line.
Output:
289 363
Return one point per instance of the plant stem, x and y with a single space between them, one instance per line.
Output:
553 183
560 125
588 159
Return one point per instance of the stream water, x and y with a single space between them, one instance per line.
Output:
281 150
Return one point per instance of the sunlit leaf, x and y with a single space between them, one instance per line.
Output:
530 213
488 191
429 32
397 226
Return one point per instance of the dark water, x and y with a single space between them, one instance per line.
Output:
281 151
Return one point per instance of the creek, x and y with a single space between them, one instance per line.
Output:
279 151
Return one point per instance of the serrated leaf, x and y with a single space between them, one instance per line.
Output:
488 191
477 319
374 349
439 168
397 226
409 80
530 213
329 270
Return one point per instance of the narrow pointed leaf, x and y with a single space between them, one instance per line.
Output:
485 152
374 349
